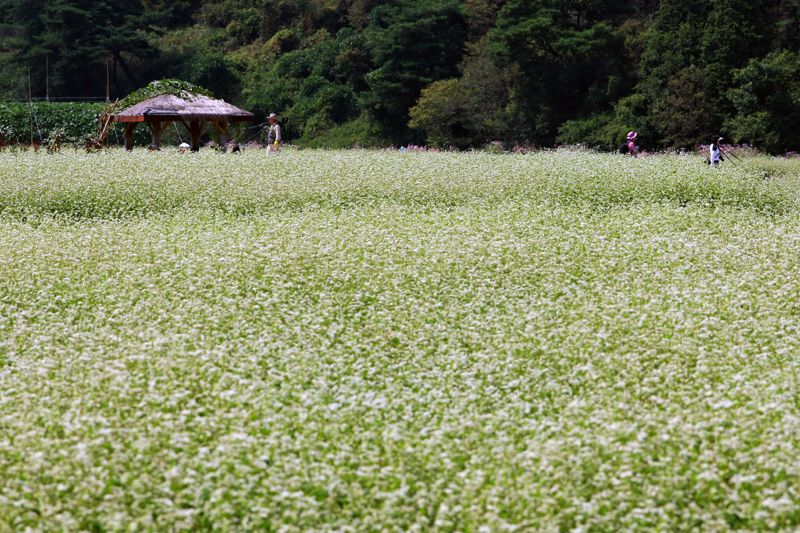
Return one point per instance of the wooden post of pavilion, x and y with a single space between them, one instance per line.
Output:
128 135
155 134
222 126
195 129
156 129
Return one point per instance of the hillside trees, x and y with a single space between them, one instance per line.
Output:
670 76
567 56
314 88
782 22
766 99
176 13
13 77
469 110
412 44
78 37
734 33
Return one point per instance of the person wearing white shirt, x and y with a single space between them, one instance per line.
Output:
715 156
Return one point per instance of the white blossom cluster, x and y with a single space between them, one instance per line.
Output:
363 341
117 185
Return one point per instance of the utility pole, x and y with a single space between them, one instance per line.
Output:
30 102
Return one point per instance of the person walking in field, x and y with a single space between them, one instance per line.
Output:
633 149
273 134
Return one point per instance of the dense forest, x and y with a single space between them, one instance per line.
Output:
439 72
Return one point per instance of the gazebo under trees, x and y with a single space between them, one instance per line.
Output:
174 103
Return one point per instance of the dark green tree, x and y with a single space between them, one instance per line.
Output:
469 111
766 99
670 74
481 17
313 88
78 37
734 33
413 44
782 21
568 57
176 13
216 73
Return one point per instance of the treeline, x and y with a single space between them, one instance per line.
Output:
441 72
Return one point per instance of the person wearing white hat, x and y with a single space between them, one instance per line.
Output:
273 134
632 148
715 157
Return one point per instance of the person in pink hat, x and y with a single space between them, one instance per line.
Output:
633 149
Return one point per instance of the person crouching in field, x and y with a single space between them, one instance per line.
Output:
273 134
633 149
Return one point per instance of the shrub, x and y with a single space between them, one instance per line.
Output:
73 121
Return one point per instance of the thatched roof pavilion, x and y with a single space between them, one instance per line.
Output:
192 110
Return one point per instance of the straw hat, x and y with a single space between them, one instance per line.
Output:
272 115
632 135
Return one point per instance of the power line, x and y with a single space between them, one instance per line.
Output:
60 99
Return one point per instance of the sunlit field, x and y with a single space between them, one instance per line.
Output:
368 341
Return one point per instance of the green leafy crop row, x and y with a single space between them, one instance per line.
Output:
40 122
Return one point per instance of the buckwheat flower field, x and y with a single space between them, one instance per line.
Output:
362 341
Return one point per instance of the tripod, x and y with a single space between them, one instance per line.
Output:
731 156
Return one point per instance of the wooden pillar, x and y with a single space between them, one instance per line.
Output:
155 134
223 134
195 129
156 129
129 127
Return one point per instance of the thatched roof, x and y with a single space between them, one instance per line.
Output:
191 107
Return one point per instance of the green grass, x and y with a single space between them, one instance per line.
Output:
361 341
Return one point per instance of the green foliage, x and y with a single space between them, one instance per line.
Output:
321 104
782 20
690 55
481 17
273 97
608 130
73 122
359 132
766 99
179 88
672 49
734 33
684 114
413 44
568 58
467 111
440 113
216 73
593 132
78 38
313 88
178 12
